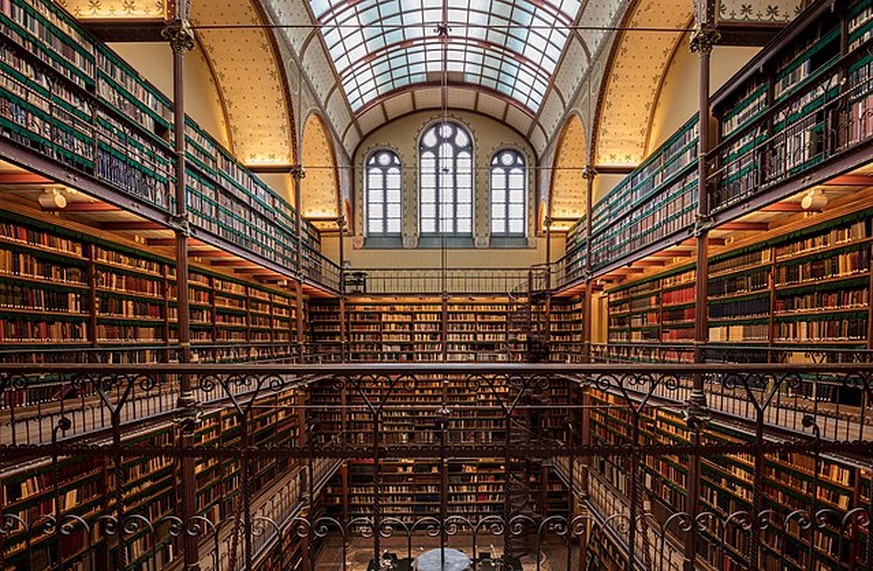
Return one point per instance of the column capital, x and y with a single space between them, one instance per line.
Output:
188 413
297 172
702 224
180 35
696 412
703 40
589 172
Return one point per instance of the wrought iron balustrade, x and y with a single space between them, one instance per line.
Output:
434 281
374 413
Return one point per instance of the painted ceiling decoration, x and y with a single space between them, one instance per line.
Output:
115 9
250 78
567 198
639 61
319 192
509 46
761 11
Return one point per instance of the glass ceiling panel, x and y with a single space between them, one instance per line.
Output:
511 46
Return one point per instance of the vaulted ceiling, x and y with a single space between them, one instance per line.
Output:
518 61
531 64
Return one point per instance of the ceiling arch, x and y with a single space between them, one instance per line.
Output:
638 62
567 192
380 46
251 80
319 196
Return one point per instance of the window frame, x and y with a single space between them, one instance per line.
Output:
494 165
438 166
371 163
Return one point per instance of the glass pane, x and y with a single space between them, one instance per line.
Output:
394 226
516 226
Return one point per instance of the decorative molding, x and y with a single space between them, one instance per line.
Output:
116 9
410 241
180 36
759 11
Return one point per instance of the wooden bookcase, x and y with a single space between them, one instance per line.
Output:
565 329
64 286
401 329
411 487
86 487
65 95
807 287
727 485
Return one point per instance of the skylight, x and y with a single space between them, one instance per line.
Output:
511 47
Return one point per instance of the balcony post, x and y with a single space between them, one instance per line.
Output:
588 174
298 174
341 222
181 38
703 39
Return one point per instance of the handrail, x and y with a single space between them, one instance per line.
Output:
765 161
90 136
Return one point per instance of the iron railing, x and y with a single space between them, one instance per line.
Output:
278 434
435 281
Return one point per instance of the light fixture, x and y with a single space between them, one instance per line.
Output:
815 200
52 199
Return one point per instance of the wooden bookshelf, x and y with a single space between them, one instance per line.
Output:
565 329
411 487
809 286
727 485
87 487
401 329
63 286
67 96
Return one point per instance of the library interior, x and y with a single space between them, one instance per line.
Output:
371 285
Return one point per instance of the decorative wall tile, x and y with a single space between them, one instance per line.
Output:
115 9
568 190
249 78
640 60
758 10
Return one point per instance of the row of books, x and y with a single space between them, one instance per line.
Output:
133 159
822 329
817 301
25 264
836 236
840 265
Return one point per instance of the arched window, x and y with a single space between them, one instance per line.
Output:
508 193
446 180
383 193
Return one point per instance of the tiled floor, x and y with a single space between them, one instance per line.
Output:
360 551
